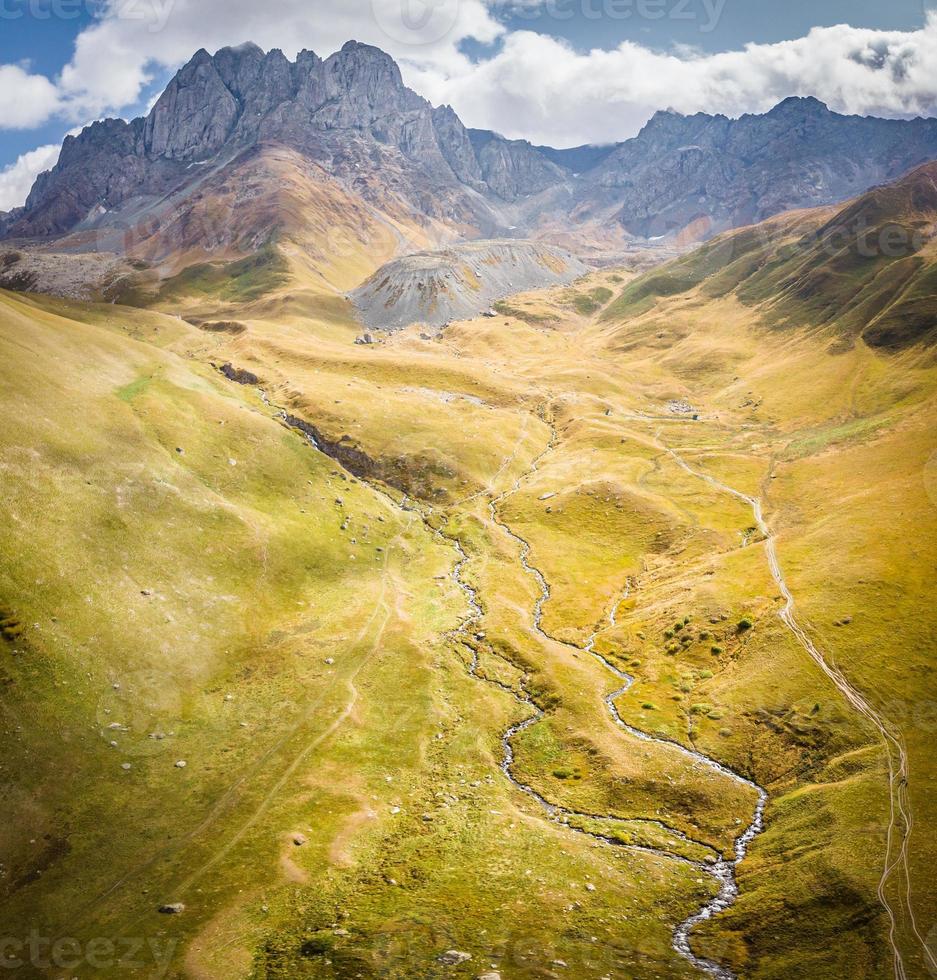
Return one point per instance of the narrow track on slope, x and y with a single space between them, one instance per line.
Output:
901 819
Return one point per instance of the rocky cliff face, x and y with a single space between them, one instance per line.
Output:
352 115
724 173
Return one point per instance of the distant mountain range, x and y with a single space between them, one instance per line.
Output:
356 125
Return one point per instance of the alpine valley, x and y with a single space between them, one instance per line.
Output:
428 554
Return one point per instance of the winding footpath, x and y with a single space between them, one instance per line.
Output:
901 821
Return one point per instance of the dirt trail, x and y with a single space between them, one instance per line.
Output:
381 611
901 820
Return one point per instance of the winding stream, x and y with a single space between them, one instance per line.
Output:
723 870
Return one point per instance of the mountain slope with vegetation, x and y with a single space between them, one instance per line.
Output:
866 270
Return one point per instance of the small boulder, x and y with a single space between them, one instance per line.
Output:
177 908
454 957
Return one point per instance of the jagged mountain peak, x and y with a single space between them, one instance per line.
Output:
801 104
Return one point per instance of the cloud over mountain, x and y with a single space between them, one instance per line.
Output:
18 177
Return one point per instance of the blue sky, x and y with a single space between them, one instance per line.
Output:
526 67
739 22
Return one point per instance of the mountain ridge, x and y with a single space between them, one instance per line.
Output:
682 177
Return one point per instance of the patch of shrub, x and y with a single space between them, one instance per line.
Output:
10 627
319 945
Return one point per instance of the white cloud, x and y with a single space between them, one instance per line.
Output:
26 100
17 179
539 88
532 86
114 57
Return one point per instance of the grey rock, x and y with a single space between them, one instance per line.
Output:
194 117
454 957
459 282
514 168
351 114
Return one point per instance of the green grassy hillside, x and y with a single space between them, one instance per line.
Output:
867 269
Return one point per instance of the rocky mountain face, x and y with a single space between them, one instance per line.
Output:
352 116
459 282
350 113
722 173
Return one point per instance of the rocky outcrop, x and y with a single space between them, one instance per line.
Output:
722 173
460 282
350 113
194 117
514 168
